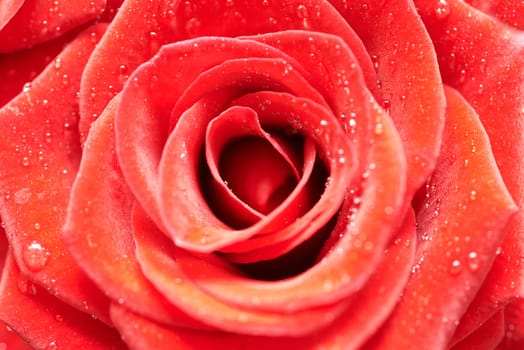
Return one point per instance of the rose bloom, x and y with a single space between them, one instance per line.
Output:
262 174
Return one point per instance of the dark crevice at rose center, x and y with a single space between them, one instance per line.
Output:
257 173
262 178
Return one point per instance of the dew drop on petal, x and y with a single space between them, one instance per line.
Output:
442 9
455 267
473 261
35 256
27 87
22 195
52 346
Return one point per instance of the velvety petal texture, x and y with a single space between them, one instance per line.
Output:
261 174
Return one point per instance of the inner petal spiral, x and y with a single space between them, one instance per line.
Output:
257 173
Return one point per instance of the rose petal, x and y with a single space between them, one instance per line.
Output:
8 10
158 258
241 174
509 11
408 76
514 319
247 17
182 62
485 62
456 249
135 35
44 321
486 337
191 223
11 340
104 247
40 154
337 275
334 71
348 331
20 68
39 21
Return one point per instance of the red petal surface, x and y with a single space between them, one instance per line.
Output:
159 260
509 11
8 8
456 249
104 247
21 67
484 60
244 184
39 162
192 224
338 274
139 30
407 74
47 323
142 127
486 337
42 20
514 319
374 303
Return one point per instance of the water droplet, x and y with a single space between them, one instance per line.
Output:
48 137
25 161
327 285
35 256
473 261
473 195
58 63
51 346
386 104
22 195
455 267
59 318
379 128
302 11
37 226
442 9
27 87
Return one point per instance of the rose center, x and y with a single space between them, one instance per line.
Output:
256 173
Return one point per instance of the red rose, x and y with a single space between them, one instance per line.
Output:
262 174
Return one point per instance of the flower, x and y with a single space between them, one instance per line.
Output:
255 174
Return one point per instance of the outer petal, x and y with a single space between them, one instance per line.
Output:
408 76
21 67
509 11
40 157
141 28
514 318
351 329
44 321
8 9
42 20
486 337
456 248
104 247
484 60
